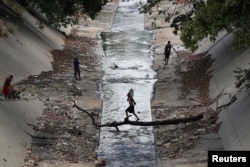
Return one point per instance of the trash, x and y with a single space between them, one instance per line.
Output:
100 162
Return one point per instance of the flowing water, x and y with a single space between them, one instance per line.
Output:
127 64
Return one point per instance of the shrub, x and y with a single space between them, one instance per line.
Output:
242 78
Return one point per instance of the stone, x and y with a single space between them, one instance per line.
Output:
101 162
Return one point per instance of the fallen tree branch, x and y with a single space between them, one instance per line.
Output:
140 123
233 99
197 101
215 99
153 123
85 111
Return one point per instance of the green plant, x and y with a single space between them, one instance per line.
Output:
212 16
10 29
65 12
207 18
6 28
16 7
242 78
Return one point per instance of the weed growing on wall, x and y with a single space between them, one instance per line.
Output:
242 78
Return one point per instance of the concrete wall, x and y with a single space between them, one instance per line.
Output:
23 53
27 51
14 140
235 131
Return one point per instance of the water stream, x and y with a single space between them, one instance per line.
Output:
127 64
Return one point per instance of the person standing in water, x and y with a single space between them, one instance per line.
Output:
132 103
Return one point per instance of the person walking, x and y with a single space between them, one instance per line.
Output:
167 51
132 103
76 68
7 86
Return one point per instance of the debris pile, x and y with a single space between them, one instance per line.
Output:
173 140
197 76
62 133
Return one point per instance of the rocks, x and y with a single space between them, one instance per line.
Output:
100 162
197 76
172 140
185 77
63 133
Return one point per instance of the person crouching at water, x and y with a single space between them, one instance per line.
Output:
7 86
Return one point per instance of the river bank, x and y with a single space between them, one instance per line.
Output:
70 137
65 136
62 133
182 90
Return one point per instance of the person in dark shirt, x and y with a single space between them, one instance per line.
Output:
7 86
167 52
76 68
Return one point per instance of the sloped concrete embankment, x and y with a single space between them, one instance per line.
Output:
16 134
27 51
234 118
24 52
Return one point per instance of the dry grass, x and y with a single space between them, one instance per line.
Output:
14 6
6 28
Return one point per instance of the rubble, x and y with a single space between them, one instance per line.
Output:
172 141
197 76
63 133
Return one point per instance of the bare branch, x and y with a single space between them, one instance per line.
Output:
85 111
140 123
154 123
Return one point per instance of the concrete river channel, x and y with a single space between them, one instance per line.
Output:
127 64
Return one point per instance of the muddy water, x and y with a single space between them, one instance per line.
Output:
127 64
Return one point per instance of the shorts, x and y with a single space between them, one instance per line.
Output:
77 70
130 109
167 54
